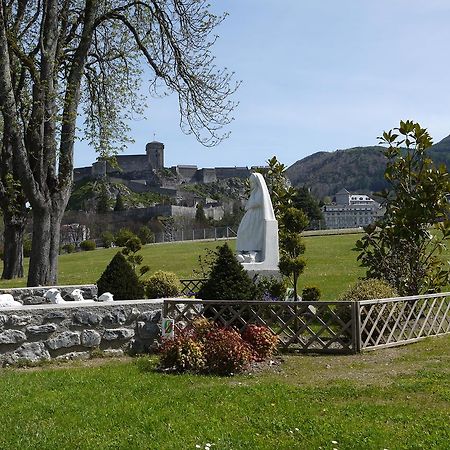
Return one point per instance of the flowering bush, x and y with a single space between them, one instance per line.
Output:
182 354
201 327
261 341
226 352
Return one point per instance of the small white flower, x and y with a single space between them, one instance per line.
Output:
334 442
198 446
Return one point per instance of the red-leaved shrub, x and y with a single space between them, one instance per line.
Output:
261 341
226 352
201 327
182 354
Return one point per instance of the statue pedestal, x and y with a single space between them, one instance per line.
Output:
268 266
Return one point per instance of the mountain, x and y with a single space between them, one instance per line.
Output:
358 169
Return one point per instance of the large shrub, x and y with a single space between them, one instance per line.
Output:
311 294
261 340
107 239
271 288
121 280
122 236
162 284
405 247
227 280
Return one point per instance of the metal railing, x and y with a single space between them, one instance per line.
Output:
195 234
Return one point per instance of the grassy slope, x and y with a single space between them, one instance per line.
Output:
392 399
331 263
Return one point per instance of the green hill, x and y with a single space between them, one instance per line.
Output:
356 169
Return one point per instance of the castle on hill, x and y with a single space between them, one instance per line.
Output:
146 172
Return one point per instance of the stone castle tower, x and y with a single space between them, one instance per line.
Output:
155 155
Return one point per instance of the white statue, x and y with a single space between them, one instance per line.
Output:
106 297
77 295
54 296
257 236
7 301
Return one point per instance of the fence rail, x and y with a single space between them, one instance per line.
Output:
194 234
325 327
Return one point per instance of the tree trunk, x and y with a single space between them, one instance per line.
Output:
13 247
45 247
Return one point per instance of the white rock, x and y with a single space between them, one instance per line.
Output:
77 295
7 301
54 296
106 297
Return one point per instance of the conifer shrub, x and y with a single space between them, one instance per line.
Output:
68 248
121 280
261 341
227 280
226 352
162 284
107 239
271 288
88 245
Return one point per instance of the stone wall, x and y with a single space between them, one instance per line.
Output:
43 332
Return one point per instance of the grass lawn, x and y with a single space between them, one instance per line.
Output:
391 399
331 263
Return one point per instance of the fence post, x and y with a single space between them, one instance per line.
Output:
193 235
215 233
182 235
204 233
356 327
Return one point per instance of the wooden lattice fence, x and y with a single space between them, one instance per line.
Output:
312 326
332 327
396 321
190 287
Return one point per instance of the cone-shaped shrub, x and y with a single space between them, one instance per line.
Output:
121 280
228 280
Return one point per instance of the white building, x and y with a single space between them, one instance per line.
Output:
351 211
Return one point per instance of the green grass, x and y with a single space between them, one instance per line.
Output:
395 399
331 263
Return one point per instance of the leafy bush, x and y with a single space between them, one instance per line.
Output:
227 280
68 248
162 284
226 352
271 288
121 280
201 327
88 245
311 294
366 289
182 354
122 236
261 340
107 239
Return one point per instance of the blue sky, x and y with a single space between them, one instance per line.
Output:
316 75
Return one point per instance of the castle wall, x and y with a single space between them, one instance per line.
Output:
130 163
82 172
232 172
206 175
186 173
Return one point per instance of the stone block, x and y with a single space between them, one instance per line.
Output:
73 356
114 352
118 334
30 351
133 315
12 337
90 338
3 320
150 316
148 330
86 318
115 317
54 315
41 329
34 300
64 340
19 321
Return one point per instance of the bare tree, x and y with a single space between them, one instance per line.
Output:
61 56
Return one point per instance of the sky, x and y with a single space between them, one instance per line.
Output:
317 75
